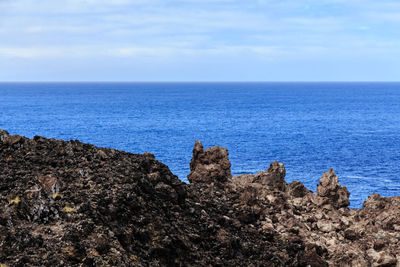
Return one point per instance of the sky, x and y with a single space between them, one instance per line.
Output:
199 40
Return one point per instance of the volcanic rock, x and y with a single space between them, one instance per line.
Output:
330 192
70 204
3 135
210 165
274 177
74 204
297 189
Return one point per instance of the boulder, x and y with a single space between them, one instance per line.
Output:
210 165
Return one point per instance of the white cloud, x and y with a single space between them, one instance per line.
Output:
28 53
135 52
51 52
262 30
139 51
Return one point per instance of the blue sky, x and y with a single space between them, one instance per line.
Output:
199 40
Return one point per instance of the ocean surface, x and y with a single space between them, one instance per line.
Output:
353 128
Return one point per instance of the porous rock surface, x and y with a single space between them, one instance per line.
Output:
74 204
210 165
330 192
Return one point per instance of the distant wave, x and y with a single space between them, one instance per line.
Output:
367 178
356 177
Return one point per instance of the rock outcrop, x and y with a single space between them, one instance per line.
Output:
74 204
210 165
330 192
274 177
3 135
329 232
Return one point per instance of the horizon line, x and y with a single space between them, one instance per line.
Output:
378 81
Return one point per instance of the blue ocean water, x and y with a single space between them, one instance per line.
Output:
311 127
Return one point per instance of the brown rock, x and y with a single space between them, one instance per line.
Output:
4 135
243 179
273 177
382 258
167 191
49 183
130 210
330 192
325 226
379 244
250 194
297 189
223 236
374 202
13 139
351 235
312 257
210 165
149 155
101 154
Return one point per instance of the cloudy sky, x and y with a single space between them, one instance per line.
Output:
199 40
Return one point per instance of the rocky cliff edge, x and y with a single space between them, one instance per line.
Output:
66 203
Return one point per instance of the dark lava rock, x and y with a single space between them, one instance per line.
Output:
330 192
297 189
3 135
210 165
74 204
70 203
274 177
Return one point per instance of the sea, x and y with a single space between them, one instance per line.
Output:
353 128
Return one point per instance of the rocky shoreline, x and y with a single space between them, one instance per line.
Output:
66 203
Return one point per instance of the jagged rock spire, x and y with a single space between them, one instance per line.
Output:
329 191
210 165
